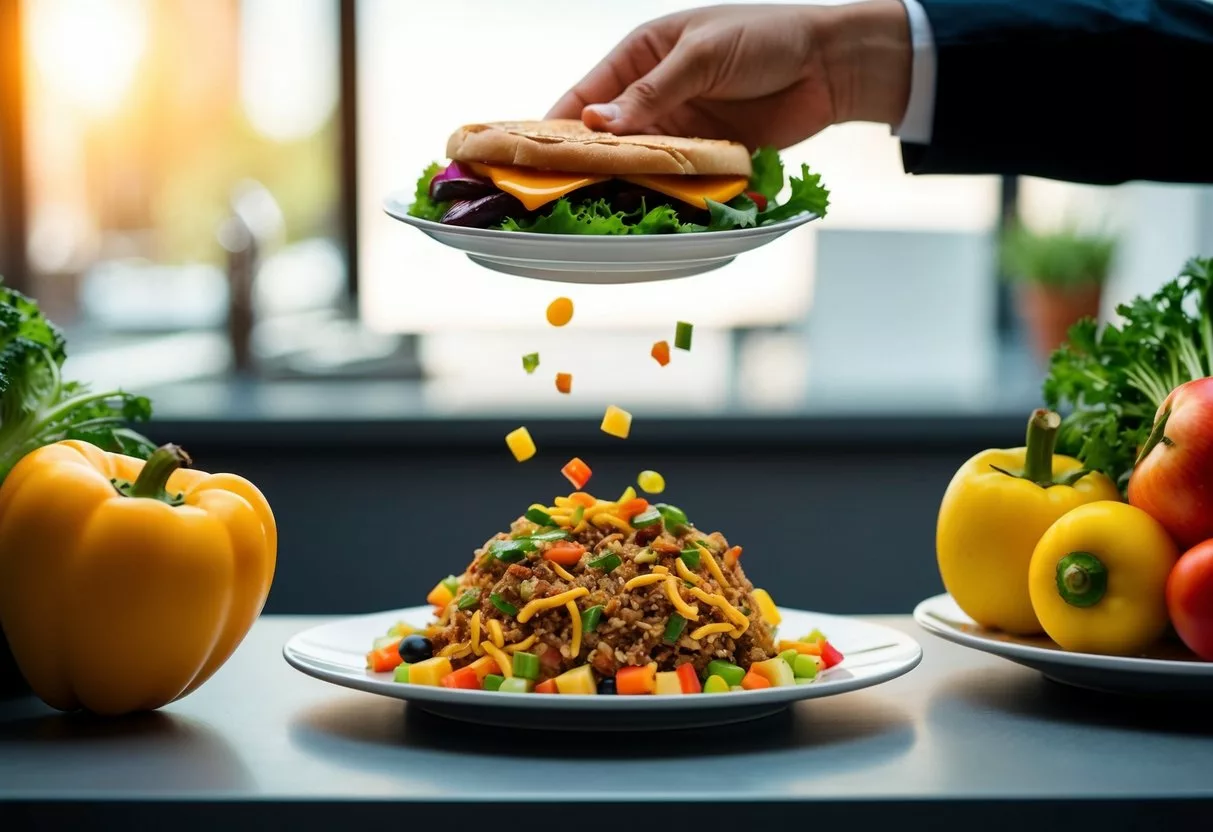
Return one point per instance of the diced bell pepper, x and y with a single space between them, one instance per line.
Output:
579 680
430 672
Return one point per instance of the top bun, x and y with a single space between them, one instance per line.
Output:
568 145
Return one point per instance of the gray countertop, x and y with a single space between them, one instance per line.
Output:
963 733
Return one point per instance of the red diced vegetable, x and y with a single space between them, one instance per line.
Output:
565 554
564 382
661 352
464 678
385 658
830 655
577 472
689 679
547 687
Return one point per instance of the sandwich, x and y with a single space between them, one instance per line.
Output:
560 177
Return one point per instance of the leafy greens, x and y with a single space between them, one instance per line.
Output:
1117 377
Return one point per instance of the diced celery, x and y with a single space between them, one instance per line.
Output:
516 685
789 656
402 673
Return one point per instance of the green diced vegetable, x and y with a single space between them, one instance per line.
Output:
493 682
505 606
674 628
814 637
804 680
526 665
789 656
538 516
690 557
451 583
383 641
549 536
590 618
646 518
401 673
715 684
804 667
731 673
512 551
674 517
530 362
516 685
469 599
682 335
607 563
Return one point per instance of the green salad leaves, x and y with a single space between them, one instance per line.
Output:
1116 377
597 216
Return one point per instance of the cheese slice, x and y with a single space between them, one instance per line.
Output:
535 188
693 190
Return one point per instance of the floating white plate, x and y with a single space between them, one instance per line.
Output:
573 258
336 652
1172 671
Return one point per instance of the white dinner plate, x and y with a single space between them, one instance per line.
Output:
336 652
1171 670
574 258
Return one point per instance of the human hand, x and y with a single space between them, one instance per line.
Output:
757 74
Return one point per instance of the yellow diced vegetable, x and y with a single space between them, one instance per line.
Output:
560 311
651 482
577 680
715 684
430 671
776 671
668 683
767 608
520 443
628 494
400 629
440 595
617 422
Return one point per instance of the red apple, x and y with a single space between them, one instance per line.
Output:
1173 478
1190 599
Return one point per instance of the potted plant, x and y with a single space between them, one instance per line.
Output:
1059 278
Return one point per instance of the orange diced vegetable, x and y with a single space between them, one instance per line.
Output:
440 596
576 472
807 648
564 382
485 665
633 681
731 557
547 687
429 672
464 678
385 658
520 443
689 678
631 508
753 681
560 312
565 554
580 498
617 422
661 352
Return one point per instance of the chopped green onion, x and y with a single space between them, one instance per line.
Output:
646 518
682 335
505 606
731 673
451 583
607 563
538 516
493 682
530 362
549 536
590 618
674 628
690 557
470 598
646 556
578 514
526 665
401 674
512 551
673 516
516 685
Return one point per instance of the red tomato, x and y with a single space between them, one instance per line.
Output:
1190 599
759 199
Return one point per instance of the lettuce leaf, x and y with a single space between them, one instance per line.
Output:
767 175
597 218
808 194
423 206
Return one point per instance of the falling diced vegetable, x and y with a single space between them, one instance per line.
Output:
651 482
560 312
520 443
661 352
682 335
530 362
576 472
539 516
564 382
617 422
646 518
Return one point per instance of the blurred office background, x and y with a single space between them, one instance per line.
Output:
192 188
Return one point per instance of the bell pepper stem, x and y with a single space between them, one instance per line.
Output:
1040 442
152 479
1082 579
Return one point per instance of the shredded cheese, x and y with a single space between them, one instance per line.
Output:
730 612
612 520
561 571
709 629
475 627
521 645
671 590
454 647
542 604
686 574
645 580
495 633
714 567
503 661
661 570
571 606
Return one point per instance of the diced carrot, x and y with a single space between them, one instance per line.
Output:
633 681
464 678
661 352
689 679
580 497
829 654
731 557
565 554
805 647
576 472
547 687
485 665
564 382
631 508
752 681
385 658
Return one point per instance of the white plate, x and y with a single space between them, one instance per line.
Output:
573 258
1172 671
336 652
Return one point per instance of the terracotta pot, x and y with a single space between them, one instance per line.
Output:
1049 312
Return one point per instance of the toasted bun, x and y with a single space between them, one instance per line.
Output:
568 145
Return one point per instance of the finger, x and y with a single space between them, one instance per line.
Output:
682 75
631 58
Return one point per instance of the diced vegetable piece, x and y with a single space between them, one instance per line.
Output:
520 443
579 680
632 508
688 679
667 684
548 537
767 608
560 312
547 687
484 666
829 655
815 636
576 472
583 499
539 516
385 641
715 684
632 681
526 665
776 671
801 647
731 673
607 563
674 628
505 606
789 656
690 557
451 583
646 518
682 335
564 382
674 517
468 600
462 679
440 595
755 681
661 352
512 551
493 681
629 493
651 482
617 422
804 667
402 673
590 618
530 362
430 672
565 554
578 514
383 659
401 629
646 556
516 685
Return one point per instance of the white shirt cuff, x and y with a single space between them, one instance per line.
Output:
915 126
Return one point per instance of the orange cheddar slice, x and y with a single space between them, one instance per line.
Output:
693 190
535 188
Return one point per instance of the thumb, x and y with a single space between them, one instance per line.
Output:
684 74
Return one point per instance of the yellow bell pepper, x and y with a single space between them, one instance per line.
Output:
994 511
1098 579
125 585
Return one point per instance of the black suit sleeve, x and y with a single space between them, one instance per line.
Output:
1092 91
